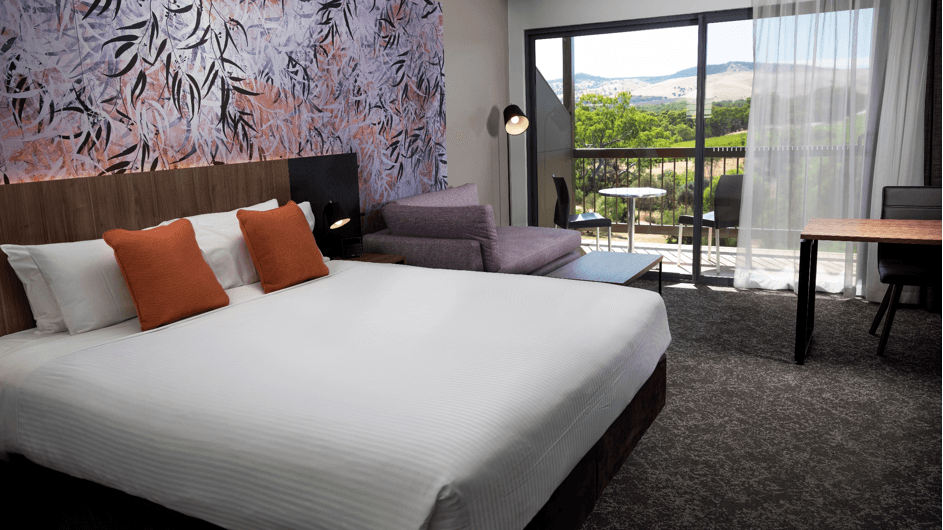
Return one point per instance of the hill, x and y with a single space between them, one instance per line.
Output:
729 81
733 66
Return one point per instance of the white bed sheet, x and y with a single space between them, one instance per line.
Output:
380 396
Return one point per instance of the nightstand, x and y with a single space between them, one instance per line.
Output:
378 258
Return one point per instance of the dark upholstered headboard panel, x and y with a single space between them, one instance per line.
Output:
79 209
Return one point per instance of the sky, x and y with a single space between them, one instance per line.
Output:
648 52
656 52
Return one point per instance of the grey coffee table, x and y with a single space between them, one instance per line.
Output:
610 267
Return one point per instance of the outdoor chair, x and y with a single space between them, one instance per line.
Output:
726 213
898 264
582 221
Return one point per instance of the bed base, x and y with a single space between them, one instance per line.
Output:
575 498
66 497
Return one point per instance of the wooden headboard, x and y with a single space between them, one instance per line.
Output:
79 209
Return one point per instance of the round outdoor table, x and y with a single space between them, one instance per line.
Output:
630 194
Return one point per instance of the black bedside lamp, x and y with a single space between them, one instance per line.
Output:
334 216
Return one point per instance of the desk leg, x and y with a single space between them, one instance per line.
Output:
808 248
659 276
813 267
631 222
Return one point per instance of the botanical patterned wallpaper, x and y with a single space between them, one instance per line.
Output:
103 86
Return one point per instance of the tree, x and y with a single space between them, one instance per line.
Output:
727 117
603 122
612 122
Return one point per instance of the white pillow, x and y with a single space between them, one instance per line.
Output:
223 246
79 286
87 283
224 249
43 304
309 215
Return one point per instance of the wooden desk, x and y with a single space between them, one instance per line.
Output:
904 231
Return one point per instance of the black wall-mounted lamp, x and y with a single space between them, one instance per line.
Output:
334 216
515 122
318 179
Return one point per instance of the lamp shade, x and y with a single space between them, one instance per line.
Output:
334 216
515 122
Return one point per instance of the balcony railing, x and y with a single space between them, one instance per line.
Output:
671 169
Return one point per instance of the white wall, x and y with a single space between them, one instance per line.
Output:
536 14
476 92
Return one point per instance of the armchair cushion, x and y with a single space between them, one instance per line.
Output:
432 252
466 195
522 249
447 222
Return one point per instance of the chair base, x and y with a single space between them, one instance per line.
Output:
710 235
608 235
889 305
608 238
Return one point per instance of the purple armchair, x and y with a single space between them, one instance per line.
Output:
449 230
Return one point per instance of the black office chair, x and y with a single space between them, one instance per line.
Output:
726 213
900 265
563 219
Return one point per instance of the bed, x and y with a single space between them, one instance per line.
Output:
379 396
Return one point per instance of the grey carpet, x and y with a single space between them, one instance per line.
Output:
747 439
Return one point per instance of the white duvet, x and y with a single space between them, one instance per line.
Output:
380 396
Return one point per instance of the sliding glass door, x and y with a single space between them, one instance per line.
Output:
728 82
659 111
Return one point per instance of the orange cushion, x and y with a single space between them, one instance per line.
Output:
166 273
282 246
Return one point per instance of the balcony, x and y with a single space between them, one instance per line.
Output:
655 220
656 230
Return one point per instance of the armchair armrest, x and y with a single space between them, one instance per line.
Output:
432 252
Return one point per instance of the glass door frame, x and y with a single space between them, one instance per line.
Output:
701 20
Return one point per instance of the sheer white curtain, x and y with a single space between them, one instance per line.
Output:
895 145
810 114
